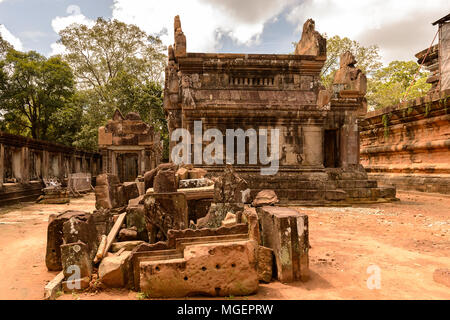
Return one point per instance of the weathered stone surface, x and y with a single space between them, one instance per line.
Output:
442 276
130 191
165 211
76 285
348 77
82 228
76 260
265 198
165 181
197 173
107 192
229 187
136 219
195 183
250 217
139 143
55 238
129 234
264 264
222 269
113 270
217 213
285 231
149 177
312 43
406 146
230 220
127 245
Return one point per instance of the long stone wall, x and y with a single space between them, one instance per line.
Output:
25 162
408 145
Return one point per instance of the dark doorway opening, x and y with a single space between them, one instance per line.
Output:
331 150
127 167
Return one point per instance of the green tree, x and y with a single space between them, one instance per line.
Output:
388 85
32 89
116 65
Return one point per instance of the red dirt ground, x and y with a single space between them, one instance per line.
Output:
407 240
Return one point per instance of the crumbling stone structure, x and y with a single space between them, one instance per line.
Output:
24 163
129 146
407 145
319 133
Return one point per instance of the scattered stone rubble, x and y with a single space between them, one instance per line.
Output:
151 243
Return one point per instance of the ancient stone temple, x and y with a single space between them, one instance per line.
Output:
408 145
318 130
129 146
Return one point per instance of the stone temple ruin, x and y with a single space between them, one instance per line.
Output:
319 133
177 230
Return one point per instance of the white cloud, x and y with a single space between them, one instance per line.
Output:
60 23
400 28
203 21
8 36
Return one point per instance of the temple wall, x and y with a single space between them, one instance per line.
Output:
409 145
25 162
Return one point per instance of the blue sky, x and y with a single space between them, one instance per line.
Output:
400 28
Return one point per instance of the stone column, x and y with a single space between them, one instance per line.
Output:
2 164
349 143
313 146
45 164
143 167
25 165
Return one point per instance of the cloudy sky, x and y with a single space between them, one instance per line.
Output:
401 28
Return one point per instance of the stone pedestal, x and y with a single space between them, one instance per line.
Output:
285 231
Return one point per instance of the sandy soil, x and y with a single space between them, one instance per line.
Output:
407 240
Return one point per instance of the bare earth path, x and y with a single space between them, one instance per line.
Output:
407 240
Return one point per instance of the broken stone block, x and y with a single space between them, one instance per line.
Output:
164 212
104 221
285 231
250 217
136 218
218 270
130 191
265 198
182 173
217 213
107 192
197 173
149 177
76 260
165 181
128 234
82 228
230 220
127 245
230 187
113 271
55 238
264 264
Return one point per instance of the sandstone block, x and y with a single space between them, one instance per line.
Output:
221 269
265 198
285 231
113 270
76 260
127 245
264 264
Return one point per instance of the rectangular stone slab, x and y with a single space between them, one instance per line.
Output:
285 231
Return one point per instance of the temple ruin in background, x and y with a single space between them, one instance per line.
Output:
129 146
408 145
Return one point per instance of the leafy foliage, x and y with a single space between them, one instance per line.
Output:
116 65
388 85
32 89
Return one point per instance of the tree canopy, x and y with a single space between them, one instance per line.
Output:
32 90
116 65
